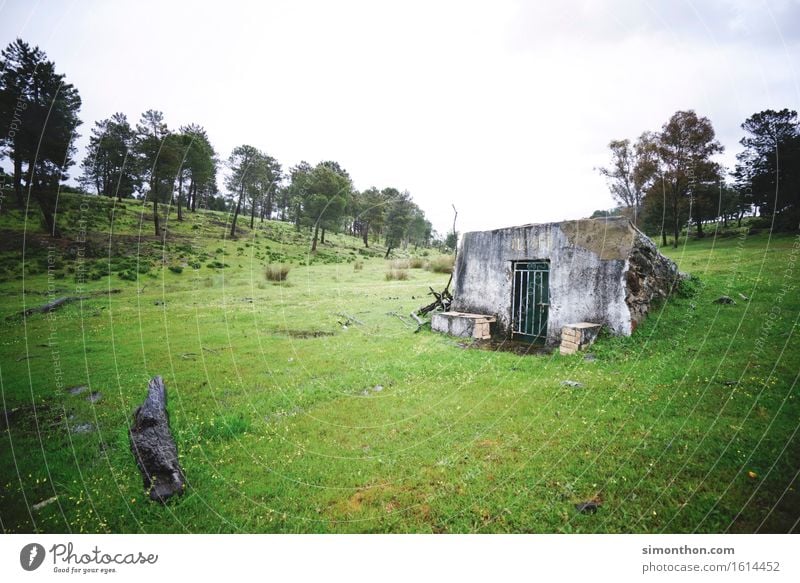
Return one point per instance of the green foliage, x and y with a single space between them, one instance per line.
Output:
176 268
688 286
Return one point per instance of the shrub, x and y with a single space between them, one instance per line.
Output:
399 274
277 272
176 269
400 264
358 266
441 264
688 286
416 263
217 265
195 265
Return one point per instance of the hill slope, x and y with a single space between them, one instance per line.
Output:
311 406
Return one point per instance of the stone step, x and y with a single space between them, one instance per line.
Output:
575 337
463 324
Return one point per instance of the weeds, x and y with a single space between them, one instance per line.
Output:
441 264
277 272
396 274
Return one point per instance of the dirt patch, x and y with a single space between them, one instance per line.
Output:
26 419
513 346
305 333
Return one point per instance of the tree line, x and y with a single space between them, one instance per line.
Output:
667 180
180 168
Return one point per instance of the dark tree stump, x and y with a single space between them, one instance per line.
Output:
153 446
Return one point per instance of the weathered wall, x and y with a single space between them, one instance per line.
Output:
589 261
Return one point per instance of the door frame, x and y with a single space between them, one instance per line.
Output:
530 299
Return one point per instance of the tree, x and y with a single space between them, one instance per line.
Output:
38 122
631 172
200 165
242 178
420 229
159 154
683 149
110 165
768 169
327 191
298 191
371 212
267 177
398 217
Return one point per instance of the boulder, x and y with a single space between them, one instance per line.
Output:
153 446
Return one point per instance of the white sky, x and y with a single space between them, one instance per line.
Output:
502 108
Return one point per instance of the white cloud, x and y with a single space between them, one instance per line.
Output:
502 109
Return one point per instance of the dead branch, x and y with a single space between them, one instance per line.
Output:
349 319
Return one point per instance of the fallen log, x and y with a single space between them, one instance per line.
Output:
50 306
153 446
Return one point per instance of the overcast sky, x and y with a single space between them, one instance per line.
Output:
502 108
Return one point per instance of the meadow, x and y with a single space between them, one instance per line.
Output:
309 404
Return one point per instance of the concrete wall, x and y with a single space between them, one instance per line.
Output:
588 264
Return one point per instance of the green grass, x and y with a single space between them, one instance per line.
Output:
281 425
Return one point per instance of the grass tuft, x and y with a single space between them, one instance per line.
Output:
442 264
396 274
277 272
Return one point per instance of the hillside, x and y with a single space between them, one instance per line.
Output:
310 405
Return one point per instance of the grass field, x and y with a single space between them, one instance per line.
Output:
308 405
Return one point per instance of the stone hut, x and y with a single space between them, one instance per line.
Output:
531 281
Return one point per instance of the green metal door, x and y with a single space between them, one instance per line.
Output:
530 300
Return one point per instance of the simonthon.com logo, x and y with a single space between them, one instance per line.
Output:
65 559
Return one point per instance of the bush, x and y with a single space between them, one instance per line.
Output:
441 264
358 266
176 269
399 274
195 265
400 264
416 263
688 286
277 272
217 265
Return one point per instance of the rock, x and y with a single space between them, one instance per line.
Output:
589 507
589 357
44 503
573 384
153 446
83 428
377 388
94 396
744 297
78 390
725 300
